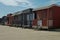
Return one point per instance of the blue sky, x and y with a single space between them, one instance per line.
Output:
11 6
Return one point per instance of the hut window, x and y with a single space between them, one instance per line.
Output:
51 14
44 14
31 16
27 17
35 16
15 17
7 18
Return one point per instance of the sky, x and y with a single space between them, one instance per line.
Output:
11 6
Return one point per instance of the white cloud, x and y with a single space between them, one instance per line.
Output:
9 2
54 1
23 3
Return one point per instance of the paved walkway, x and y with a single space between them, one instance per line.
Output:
11 33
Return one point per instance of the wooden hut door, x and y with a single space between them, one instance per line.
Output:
39 23
44 22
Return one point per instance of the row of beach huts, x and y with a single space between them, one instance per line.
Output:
41 18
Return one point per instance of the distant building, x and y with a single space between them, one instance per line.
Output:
3 20
0 20
9 19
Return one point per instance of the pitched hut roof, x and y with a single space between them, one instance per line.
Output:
45 7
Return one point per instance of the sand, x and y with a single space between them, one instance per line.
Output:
12 33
